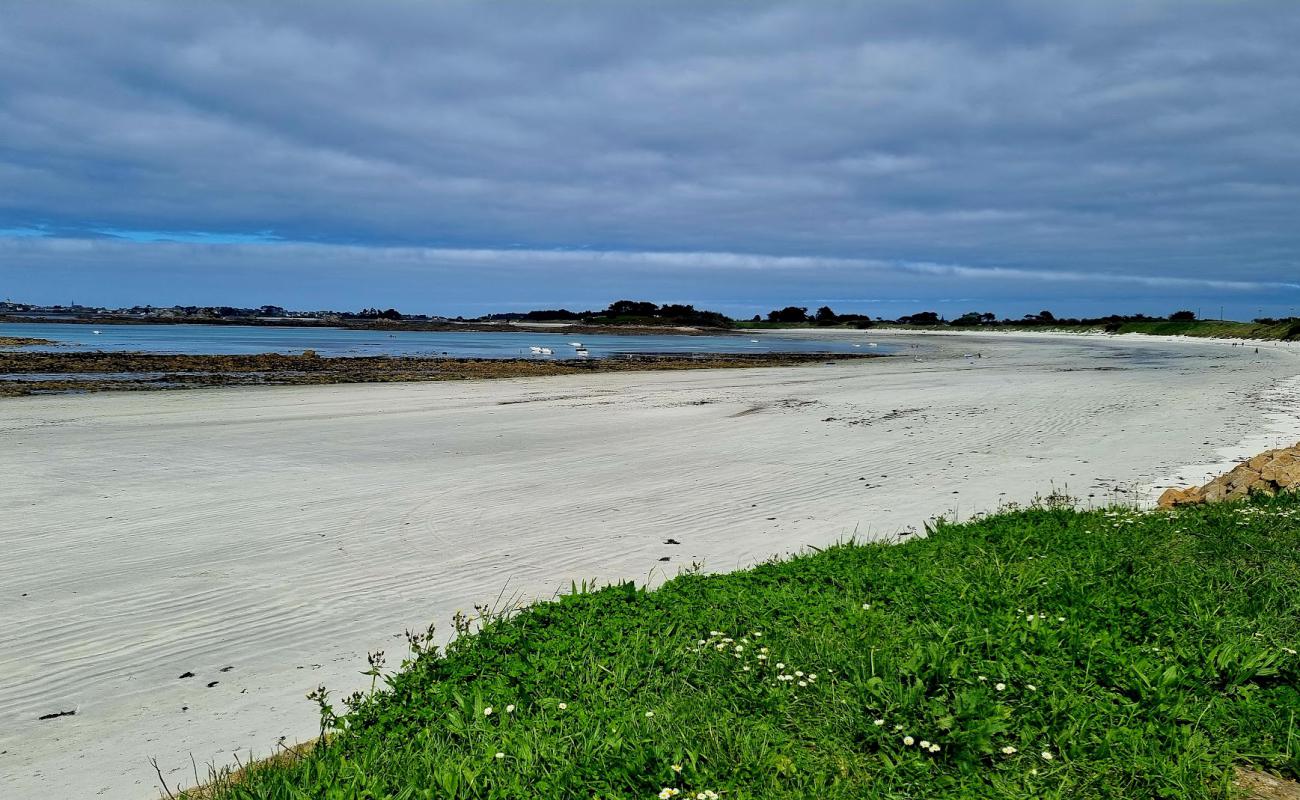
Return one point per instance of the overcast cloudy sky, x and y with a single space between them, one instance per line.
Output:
883 157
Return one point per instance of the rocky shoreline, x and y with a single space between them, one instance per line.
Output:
45 373
1268 473
22 341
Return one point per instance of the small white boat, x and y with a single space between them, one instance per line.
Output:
575 344
871 344
95 332
546 351
857 345
535 350
582 352
755 341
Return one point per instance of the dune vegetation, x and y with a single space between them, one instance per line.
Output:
1045 652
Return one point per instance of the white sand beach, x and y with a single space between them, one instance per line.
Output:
265 540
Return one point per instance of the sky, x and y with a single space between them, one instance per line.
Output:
1082 156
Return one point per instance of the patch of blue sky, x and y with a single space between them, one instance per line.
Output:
23 233
190 237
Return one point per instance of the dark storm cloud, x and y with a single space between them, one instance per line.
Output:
1125 146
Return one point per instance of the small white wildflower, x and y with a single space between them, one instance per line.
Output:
898 727
779 665
1289 650
715 633
745 668
1029 617
880 723
677 767
1060 619
649 714
762 656
982 678
1047 755
665 793
563 706
501 755
908 740
1008 751
812 676
803 683
1032 688
925 745
487 712
510 709
762 649
1000 686
758 634
934 748
701 643
798 673
738 648
866 606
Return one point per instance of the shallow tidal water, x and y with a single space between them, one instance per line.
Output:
248 339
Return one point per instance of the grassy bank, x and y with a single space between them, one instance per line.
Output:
1223 329
1044 653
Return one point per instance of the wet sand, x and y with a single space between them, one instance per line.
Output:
264 539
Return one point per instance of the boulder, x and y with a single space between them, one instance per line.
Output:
1180 497
1242 476
1267 473
1213 492
1287 477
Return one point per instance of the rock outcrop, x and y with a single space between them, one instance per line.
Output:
1267 473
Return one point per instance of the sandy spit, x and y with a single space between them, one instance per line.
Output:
265 539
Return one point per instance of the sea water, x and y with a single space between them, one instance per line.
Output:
251 339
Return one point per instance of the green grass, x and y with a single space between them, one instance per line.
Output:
1223 329
1146 654
1213 328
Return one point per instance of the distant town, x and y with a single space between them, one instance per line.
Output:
198 313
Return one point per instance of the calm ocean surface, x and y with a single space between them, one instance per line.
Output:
239 339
